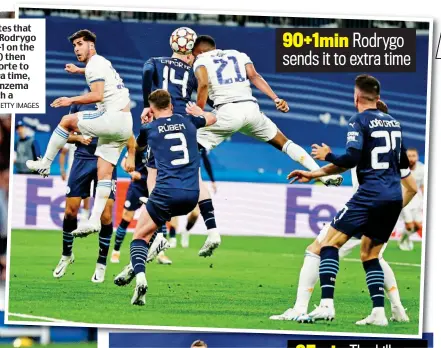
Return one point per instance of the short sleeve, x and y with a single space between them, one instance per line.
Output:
404 173
354 137
202 61
198 121
245 58
95 71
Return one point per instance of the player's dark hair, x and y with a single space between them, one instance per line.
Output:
369 85
160 98
206 40
382 106
86 34
199 343
412 149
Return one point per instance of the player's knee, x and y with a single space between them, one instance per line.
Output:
314 248
366 255
127 215
70 212
66 121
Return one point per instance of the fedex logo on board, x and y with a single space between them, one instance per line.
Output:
307 210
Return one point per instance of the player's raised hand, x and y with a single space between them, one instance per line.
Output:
320 152
281 105
60 102
302 176
146 116
135 175
193 109
72 69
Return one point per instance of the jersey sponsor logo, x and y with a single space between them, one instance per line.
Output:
384 123
352 124
171 127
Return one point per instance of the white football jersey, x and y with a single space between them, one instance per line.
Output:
116 95
227 77
418 173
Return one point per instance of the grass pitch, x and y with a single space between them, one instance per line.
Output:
247 280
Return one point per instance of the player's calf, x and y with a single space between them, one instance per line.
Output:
56 143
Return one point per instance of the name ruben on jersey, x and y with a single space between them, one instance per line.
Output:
171 127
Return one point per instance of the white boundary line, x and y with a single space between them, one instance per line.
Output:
389 262
28 316
237 12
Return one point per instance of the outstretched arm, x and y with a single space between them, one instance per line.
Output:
258 81
195 110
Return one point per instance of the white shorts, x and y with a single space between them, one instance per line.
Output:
244 117
412 212
347 248
112 128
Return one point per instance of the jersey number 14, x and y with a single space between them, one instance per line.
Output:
169 76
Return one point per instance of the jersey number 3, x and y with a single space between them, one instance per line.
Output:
391 144
182 147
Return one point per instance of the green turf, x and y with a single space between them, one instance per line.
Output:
247 280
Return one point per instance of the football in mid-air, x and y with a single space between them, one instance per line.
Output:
182 40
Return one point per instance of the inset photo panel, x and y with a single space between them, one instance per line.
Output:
199 171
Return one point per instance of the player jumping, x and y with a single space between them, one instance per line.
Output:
224 77
374 146
172 139
112 123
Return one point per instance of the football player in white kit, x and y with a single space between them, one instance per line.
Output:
224 77
412 214
111 123
309 274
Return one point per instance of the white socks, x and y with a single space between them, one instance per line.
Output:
298 154
309 275
56 143
103 189
390 284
